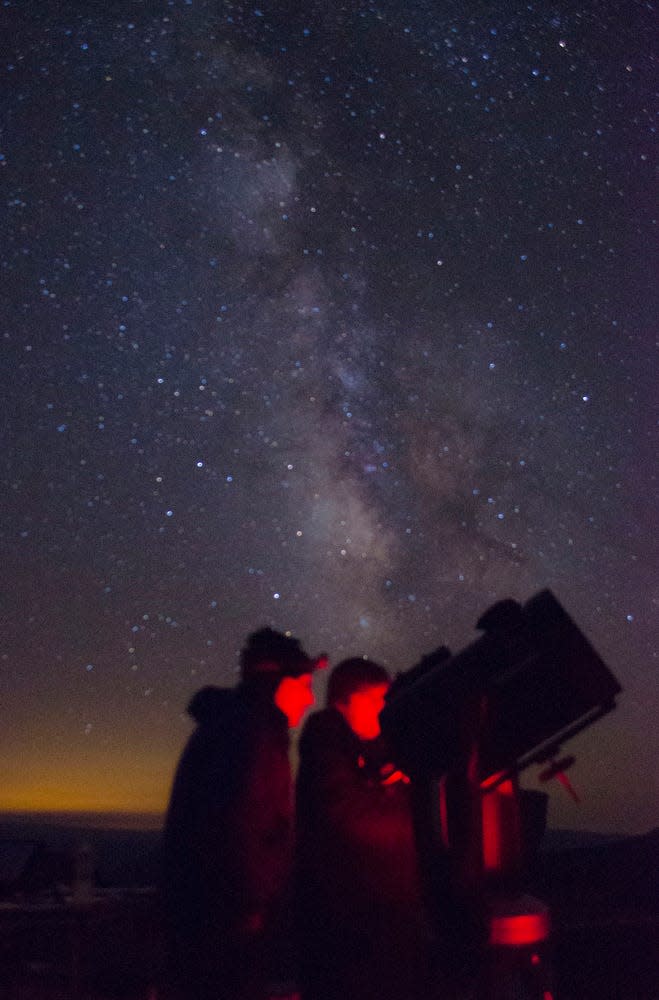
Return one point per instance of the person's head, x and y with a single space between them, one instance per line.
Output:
274 665
357 689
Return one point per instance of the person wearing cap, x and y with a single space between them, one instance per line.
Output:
362 928
228 836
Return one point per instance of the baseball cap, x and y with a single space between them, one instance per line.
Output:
268 652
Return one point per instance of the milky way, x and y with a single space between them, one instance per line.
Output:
334 320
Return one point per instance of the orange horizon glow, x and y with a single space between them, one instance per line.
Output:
70 800
120 783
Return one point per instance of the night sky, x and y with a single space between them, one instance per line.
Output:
335 318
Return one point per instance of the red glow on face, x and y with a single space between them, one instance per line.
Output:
520 929
362 709
294 696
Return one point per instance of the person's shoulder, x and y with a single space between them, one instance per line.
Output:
324 727
326 718
210 705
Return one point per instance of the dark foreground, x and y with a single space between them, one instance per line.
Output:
106 945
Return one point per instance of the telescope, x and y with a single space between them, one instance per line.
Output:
463 728
542 680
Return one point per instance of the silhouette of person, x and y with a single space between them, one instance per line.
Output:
362 928
228 837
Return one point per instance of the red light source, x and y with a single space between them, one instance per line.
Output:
501 834
520 929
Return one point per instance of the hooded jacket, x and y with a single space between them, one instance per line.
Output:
228 832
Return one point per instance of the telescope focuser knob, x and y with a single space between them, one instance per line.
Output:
557 769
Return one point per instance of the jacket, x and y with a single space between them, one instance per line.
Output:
227 845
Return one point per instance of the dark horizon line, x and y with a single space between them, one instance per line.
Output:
109 818
152 820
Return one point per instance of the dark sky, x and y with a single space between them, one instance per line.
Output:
337 321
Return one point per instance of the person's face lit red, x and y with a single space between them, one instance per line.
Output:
362 709
294 696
